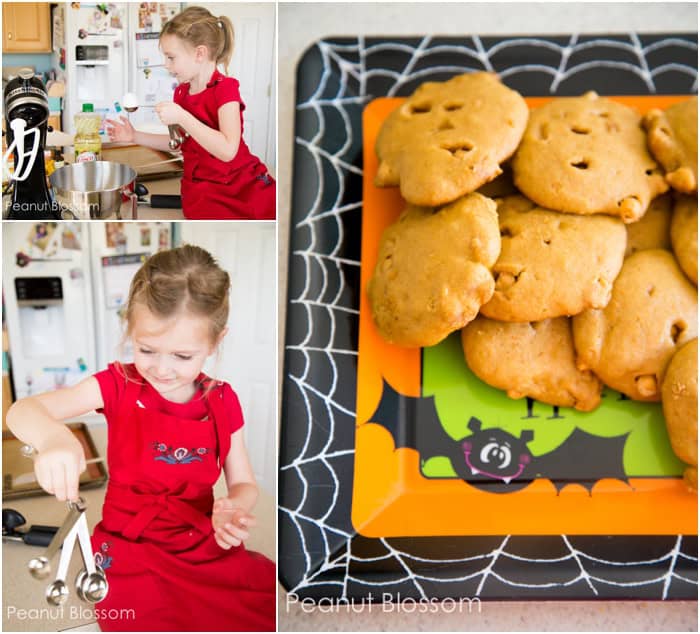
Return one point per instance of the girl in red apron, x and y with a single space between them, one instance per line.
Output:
173 556
222 180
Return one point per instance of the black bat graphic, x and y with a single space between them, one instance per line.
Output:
493 459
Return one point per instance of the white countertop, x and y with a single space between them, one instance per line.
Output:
300 25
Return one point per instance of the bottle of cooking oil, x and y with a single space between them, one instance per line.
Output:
87 142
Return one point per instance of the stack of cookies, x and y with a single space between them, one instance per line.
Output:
578 270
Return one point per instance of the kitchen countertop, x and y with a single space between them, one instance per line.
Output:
162 186
24 607
300 26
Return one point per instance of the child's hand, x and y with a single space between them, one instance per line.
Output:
120 131
58 466
169 112
230 523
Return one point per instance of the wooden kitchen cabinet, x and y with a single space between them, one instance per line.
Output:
26 27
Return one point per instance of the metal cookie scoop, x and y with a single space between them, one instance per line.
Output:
91 583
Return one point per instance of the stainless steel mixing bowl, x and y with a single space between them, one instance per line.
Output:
93 189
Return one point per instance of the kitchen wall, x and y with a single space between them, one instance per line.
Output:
41 62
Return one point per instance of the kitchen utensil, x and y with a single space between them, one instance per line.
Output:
177 136
130 102
37 535
94 189
91 582
157 201
22 259
40 567
135 108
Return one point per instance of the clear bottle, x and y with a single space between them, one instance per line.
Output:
87 142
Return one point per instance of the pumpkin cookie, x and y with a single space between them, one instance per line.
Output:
587 155
679 398
673 140
540 361
553 264
653 312
653 229
684 235
433 270
449 138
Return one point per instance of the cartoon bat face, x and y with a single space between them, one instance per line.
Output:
495 453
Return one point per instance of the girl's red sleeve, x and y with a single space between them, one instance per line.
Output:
226 91
233 406
112 383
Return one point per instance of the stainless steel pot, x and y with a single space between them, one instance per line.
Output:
94 189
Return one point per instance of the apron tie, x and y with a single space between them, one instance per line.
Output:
152 504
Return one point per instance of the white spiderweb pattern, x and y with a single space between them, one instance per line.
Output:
320 554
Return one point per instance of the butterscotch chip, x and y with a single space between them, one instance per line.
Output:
653 229
433 270
448 139
684 235
553 264
679 398
653 312
530 359
673 140
587 155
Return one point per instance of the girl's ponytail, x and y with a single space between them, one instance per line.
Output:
224 57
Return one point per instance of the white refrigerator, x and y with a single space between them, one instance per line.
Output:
112 49
65 286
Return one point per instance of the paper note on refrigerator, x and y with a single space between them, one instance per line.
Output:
118 271
147 50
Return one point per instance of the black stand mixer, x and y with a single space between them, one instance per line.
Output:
26 118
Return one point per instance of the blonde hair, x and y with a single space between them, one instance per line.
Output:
198 27
186 279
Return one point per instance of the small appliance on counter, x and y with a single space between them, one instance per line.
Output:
27 112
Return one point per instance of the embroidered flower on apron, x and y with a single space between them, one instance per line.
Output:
102 559
181 455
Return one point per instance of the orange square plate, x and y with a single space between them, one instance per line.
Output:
397 493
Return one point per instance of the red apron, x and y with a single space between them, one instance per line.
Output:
248 193
156 541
